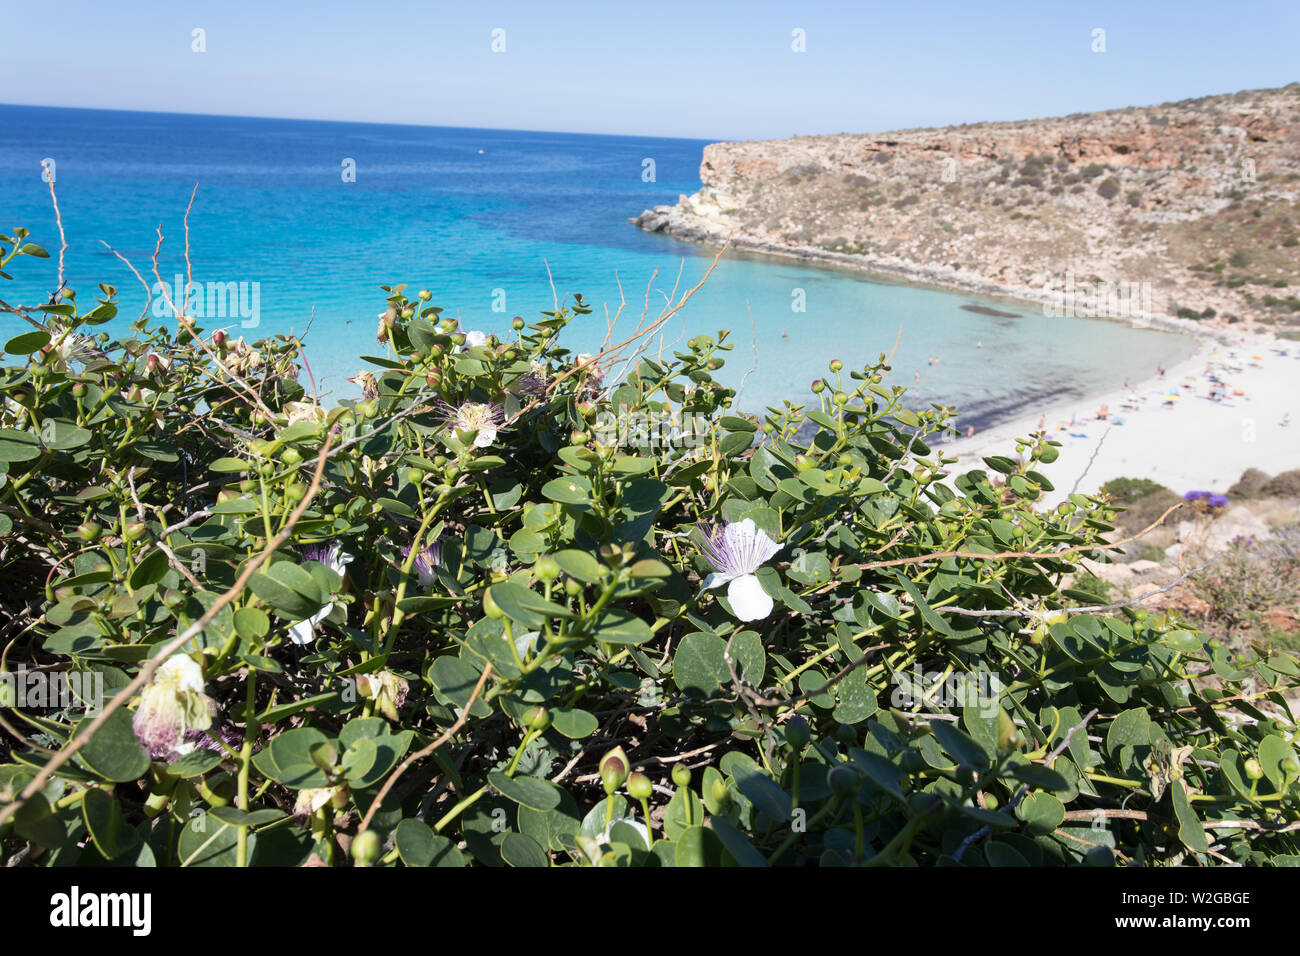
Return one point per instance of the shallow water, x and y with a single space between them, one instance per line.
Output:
477 216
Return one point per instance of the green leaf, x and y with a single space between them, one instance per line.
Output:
35 821
18 446
455 680
206 841
698 846
251 623
525 606
1190 831
194 764
415 842
574 722
959 746
1129 728
28 342
620 626
113 752
766 795
247 818
568 490
1272 751
289 589
737 844
520 850
699 665
1042 813
149 571
526 791
581 565
104 822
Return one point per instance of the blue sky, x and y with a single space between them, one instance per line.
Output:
694 69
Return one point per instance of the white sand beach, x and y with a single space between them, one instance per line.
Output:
1233 405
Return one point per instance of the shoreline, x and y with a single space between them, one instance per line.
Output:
1186 443
938 277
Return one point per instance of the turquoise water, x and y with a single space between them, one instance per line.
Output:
477 216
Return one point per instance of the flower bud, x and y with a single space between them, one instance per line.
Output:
537 718
721 795
1007 732
836 365
490 606
614 769
425 295
639 786
681 775
1253 770
367 847
546 568
843 781
797 733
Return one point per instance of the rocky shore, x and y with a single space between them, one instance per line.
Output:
1181 216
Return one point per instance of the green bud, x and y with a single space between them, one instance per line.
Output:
797 732
614 768
537 718
366 848
135 531
490 606
517 324
721 795
89 531
843 781
546 568
836 365
1253 770
425 295
1006 731
681 775
639 786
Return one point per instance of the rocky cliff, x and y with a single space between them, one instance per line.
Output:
1185 208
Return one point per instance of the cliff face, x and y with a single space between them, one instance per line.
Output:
1190 206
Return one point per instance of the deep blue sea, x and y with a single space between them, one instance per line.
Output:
477 216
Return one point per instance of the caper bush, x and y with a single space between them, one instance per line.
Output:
516 606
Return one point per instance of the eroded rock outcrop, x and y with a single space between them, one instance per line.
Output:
1185 207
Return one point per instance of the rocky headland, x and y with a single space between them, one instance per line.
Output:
1181 210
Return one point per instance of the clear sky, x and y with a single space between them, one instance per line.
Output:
663 67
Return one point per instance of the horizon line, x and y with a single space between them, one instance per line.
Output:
307 119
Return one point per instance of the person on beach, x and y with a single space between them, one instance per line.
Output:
1042 422
970 431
